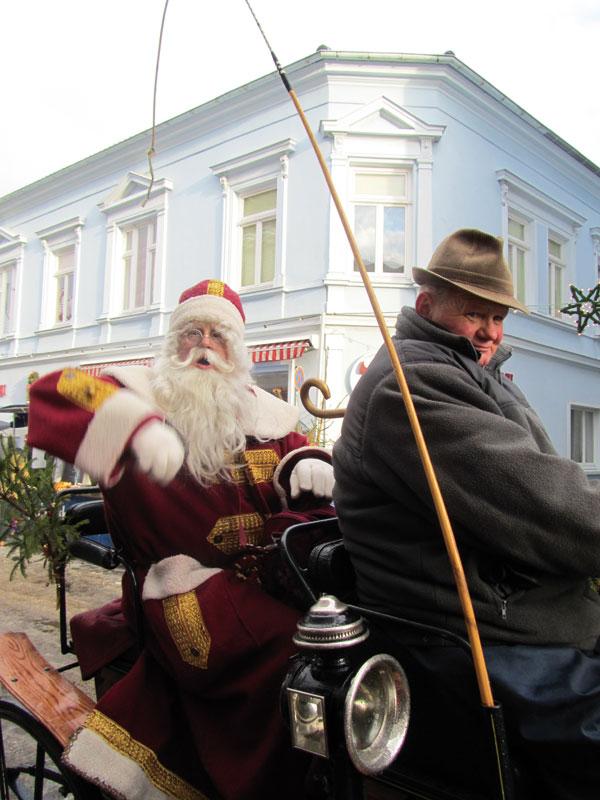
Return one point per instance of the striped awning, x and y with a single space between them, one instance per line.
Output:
96 369
279 351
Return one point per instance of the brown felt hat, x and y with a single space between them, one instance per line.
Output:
472 261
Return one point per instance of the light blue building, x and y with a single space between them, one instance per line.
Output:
94 257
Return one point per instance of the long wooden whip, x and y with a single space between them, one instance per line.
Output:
481 672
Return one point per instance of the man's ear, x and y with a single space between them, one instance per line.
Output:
423 304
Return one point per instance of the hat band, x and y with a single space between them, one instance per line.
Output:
486 282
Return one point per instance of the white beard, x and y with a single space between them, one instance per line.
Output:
206 407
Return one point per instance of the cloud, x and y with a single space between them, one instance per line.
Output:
81 78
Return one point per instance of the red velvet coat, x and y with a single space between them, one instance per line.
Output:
202 700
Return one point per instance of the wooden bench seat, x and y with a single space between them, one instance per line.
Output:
43 691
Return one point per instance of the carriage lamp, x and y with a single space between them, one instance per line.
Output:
335 700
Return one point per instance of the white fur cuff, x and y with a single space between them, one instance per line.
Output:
108 433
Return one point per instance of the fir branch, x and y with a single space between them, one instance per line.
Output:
37 527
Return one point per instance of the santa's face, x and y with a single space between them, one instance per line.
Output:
207 340
200 381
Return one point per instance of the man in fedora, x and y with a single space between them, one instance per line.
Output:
526 521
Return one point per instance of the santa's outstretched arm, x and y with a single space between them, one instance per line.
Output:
93 422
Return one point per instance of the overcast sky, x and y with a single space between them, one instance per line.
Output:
77 75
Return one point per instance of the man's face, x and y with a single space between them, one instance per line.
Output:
206 337
481 321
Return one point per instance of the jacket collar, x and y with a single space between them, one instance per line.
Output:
410 325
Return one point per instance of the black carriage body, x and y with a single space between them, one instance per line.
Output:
313 553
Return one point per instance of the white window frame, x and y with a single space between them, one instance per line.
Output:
12 251
380 202
595 235
65 286
56 239
557 266
8 275
516 246
546 219
257 221
135 262
242 177
382 134
591 417
128 206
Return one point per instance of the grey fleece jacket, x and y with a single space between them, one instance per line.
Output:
527 522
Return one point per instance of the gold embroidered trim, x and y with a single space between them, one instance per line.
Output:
216 287
238 474
261 464
259 467
186 625
225 535
121 741
84 390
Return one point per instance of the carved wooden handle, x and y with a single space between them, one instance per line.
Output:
322 413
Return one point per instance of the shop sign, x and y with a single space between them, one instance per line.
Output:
358 368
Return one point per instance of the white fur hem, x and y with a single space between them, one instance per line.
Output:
108 433
175 575
92 757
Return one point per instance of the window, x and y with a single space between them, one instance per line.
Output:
518 256
138 256
258 226
595 235
275 381
540 236
64 277
7 287
61 245
380 209
584 426
556 279
135 246
254 229
382 162
12 247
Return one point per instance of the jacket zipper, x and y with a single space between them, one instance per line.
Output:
503 605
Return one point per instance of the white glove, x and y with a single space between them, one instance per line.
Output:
312 475
159 451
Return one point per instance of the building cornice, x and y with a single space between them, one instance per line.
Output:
264 92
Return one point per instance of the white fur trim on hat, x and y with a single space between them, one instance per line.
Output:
207 307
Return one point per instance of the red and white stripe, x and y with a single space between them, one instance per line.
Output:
279 351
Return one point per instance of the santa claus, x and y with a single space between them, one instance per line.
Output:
199 468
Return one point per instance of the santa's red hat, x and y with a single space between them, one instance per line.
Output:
210 301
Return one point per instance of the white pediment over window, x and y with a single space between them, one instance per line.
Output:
9 240
382 117
68 229
134 189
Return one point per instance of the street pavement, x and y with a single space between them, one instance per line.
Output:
28 605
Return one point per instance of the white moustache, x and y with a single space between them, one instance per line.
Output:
198 353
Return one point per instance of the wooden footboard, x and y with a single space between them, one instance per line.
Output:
43 691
